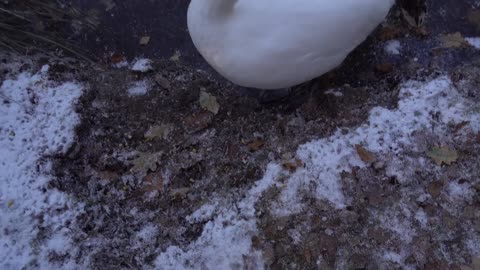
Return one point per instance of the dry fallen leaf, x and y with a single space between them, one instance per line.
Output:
109 4
153 182
176 56
292 166
209 102
389 33
161 131
179 193
146 162
435 188
443 155
364 154
460 126
255 145
117 58
476 263
144 40
162 81
198 121
474 17
454 40
384 67
108 175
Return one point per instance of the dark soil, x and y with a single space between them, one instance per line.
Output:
200 154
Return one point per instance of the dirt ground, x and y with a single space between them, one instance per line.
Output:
157 158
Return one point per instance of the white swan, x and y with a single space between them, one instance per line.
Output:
272 44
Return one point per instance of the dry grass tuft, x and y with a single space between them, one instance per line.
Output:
28 26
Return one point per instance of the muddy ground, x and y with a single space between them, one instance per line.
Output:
128 179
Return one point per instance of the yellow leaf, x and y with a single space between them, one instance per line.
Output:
144 40
364 154
454 40
443 155
209 102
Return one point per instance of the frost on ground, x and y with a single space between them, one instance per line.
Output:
37 120
142 65
474 41
370 196
393 134
393 47
138 88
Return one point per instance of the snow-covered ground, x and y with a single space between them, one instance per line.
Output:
37 222
389 133
37 120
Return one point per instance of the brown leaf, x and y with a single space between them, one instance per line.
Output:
293 166
176 56
460 126
443 155
198 121
476 263
384 67
435 188
454 40
474 17
255 145
437 51
108 175
160 132
162 81
153 182
208 102
364 154
144 40
179 193
117 58
389 33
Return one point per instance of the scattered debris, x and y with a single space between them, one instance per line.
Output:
209 102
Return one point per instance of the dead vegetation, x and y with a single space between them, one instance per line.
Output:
32 26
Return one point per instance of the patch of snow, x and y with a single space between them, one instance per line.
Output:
142 65
421 217
473 244
393 257
388 133
397 258
37 120
474 41
458 191
138 88
225 240
146 235
393 47
399 224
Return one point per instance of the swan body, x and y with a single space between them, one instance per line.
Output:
272 44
